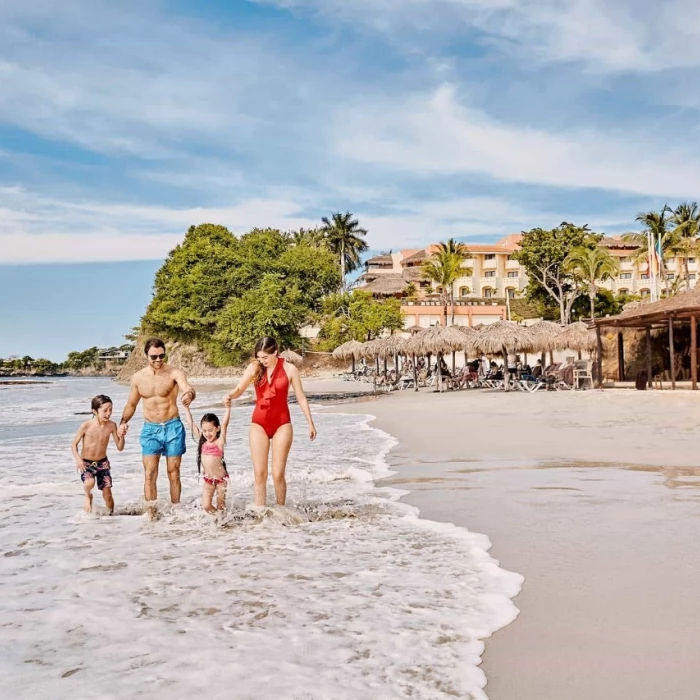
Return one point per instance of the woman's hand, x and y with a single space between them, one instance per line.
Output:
312 431
227 401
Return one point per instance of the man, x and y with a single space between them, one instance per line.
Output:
163 433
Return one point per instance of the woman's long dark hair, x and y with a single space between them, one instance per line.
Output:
207 418
265 344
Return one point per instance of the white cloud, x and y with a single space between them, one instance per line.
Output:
607 35
436 134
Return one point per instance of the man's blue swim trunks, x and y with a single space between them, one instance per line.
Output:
163 438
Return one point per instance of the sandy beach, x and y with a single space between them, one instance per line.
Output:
594 498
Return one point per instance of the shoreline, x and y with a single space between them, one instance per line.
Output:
592 498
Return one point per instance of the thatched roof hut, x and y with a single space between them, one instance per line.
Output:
388 284
347 350
575 336
292 357
501 338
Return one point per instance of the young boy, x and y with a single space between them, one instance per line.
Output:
92 463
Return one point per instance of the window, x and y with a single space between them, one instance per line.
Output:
623 291
645 275
464 291
670 276
490 256
490 273
644 292
625 259
691 261
487 292
625 275
511 292
514 274
692 276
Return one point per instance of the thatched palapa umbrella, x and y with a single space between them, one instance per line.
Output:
542 335
292 357
435 340
576 336
501 338
351 349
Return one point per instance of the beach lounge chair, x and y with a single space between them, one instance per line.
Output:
583 374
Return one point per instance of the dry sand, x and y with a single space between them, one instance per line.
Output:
593 497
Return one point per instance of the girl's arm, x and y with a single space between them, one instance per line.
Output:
74 447
226 420
119 440
246 379
293 373
194 429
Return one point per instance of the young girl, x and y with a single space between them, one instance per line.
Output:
211 438
91 461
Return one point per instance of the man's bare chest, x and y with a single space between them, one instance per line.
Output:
161 387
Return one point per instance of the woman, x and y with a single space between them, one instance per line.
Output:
271 424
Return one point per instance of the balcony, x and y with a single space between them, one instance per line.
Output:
471 301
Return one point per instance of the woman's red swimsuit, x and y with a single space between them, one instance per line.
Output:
271 408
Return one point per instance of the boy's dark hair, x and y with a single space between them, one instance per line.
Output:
153 343
99 401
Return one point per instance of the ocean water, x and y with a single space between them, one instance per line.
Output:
344 594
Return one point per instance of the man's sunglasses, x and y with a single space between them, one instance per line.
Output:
156 357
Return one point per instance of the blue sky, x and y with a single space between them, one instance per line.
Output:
123 123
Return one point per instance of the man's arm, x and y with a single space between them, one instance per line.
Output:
130 408
188 393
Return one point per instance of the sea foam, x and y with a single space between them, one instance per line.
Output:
344 593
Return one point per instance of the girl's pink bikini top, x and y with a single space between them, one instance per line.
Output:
212 449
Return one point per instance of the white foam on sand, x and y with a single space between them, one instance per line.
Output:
344 593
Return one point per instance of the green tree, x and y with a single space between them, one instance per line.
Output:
313 270
590 265
275 307
311 237
459 253
345 238
665 242
81 359
685 220
194 284
443 268
543 254
357 315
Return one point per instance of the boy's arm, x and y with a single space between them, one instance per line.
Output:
119 440
226 420
74 447
130 408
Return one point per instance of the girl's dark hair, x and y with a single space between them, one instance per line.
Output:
206 418
99 401
265 344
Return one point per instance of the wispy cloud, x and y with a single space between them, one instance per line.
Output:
435 133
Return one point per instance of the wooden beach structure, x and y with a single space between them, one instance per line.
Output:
664 315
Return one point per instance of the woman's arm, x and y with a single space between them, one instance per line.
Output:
246 379
74 447
295 378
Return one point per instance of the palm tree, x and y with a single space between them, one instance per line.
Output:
665 241
442 269
591 265
460 252
686 221
312 237
345 238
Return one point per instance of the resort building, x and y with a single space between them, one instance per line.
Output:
491 279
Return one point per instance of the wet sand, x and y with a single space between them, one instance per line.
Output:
594 498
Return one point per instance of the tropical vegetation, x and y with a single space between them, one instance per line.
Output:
443 268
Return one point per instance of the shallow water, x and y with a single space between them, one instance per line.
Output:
345 593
